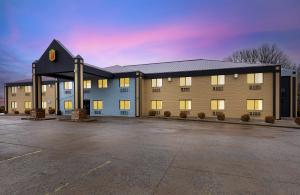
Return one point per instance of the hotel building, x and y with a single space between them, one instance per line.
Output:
65 82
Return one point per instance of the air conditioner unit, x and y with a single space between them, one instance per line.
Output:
169 79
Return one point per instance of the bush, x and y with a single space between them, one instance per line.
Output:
245 118
2 109
269 119
167 113
58 112
297 120
152 113
182 115
51 110
201 115
16 112
220 116
27 111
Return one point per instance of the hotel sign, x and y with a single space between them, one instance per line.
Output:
52 55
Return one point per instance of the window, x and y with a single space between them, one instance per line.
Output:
217 104
156 82
27 105
44 104
185 81
27 89
124 82
44 88
68 105
255 78
102 83
124 104
13 90
218 80
98 104
14 105
255 105
87 84
156 104
68 85
185 104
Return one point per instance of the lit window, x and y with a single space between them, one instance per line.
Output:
156 82
102 83
255 78
27 89
124 82
14 105
98 104
156 104
124 104
68 85
185 81
27 105
68 105
13 90
87 84
44 104
44 88
218 80
185 104
217 104
256 105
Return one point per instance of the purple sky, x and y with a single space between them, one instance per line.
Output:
124 32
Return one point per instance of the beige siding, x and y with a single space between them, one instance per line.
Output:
20 97
236 92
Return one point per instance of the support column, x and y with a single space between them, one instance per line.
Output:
37 111
57 96
6 98
78 112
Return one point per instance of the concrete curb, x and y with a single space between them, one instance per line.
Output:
225 122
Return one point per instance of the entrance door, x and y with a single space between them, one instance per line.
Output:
87 106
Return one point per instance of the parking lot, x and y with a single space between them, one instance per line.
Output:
146 156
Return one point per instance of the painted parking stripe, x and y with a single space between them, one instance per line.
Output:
24 155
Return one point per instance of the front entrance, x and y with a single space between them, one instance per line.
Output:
87 106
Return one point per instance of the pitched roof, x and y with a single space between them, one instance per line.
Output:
180 66
29 80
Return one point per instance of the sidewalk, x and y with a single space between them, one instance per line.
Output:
283 123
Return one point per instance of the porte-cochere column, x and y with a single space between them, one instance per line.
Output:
37 111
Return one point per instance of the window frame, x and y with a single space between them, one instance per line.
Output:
97 102
218 80
122 82
218 104
15 90
44 88
156 104
102 86
69 103
87 84
68 85
154 83
14 105
185 105
254 78
185 82
44 104
26 105
124 104
254 105
28 87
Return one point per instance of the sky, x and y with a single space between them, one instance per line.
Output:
122 32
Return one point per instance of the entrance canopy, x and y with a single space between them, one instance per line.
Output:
58 62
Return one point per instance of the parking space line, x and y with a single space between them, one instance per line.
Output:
61 187
20 156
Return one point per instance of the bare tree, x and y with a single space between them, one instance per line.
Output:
266 54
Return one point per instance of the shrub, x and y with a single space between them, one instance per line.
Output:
16 112
27 111
269 119
201 115
297 120
182 115
167 113
152 113
2 109
220 116
245 118
51 110
58 112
